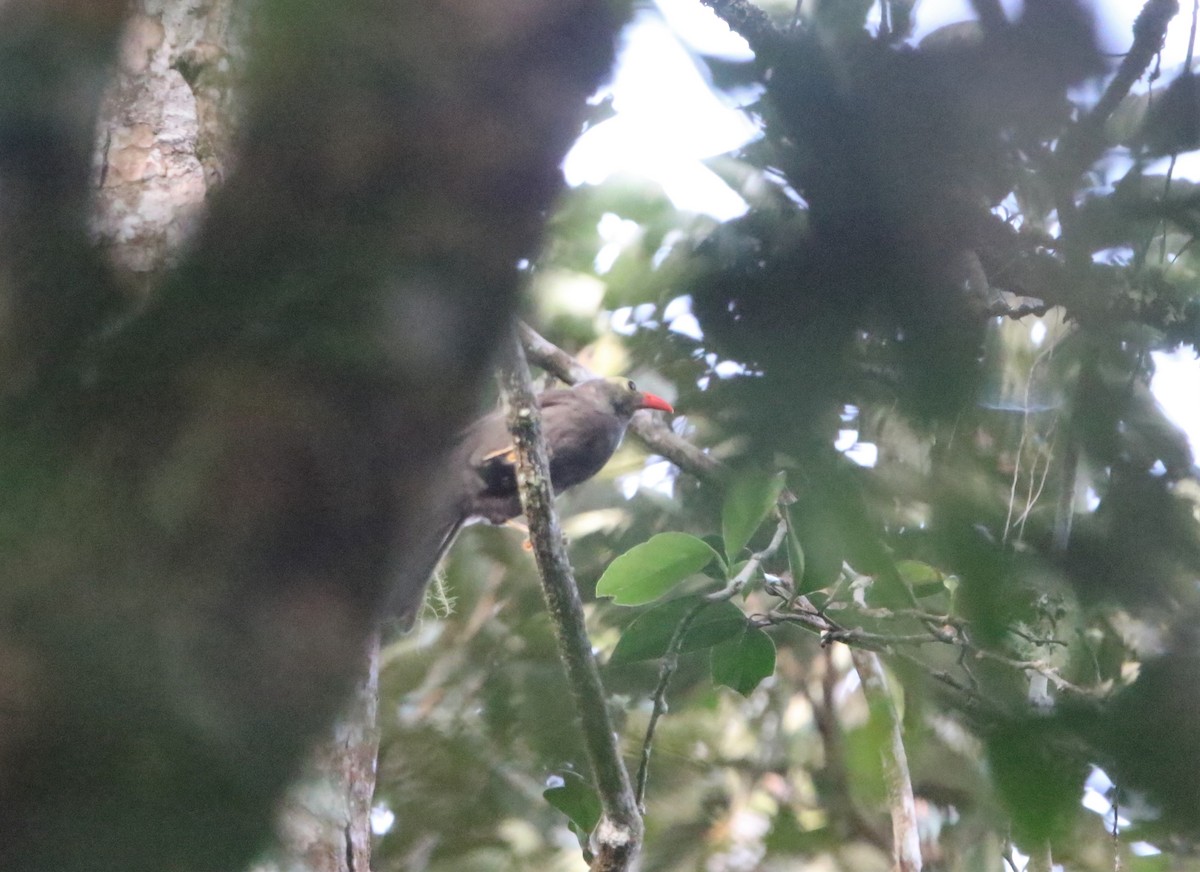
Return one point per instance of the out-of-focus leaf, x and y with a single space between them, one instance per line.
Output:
864 764
577 799
647 571
819 535
787 836
747 503
922 578
743 661
1040 782
1173 120
954 35
1125 123
1149 734
650 633
845 20
716 570
795 552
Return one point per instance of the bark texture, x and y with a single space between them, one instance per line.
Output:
166 129
211 484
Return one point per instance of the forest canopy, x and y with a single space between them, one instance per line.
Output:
910 580
961 252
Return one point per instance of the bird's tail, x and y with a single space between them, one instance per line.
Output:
409 595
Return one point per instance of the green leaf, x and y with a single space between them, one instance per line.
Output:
647 571
743 661
577 799
650 633
748 501
819 533
923 579
718 570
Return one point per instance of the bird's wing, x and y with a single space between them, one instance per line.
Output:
489 441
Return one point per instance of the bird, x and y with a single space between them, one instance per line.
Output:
582 426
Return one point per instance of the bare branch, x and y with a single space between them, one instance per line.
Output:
906 844
750 22
671 657
659 698
618 837
1083 143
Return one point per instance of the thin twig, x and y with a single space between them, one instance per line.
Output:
671 657
739 581
617 839
803 614
1083 143
659 699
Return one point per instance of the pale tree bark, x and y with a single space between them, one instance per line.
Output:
218 456
165 130
325 821
906 842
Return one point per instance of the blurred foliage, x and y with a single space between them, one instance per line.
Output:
957 256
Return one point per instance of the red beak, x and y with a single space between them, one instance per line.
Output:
650 401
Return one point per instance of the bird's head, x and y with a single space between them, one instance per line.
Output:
624 397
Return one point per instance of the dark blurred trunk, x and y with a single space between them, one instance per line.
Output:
221 428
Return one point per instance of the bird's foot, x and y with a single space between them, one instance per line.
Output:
526 545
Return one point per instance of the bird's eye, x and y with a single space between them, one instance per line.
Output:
629 384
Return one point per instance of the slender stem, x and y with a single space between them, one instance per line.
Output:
666 671
671 657
739 581
1065 511
618 837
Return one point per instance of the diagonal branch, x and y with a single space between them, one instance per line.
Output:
1083 143
618 837
906 843
751 23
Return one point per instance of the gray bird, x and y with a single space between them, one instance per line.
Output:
582 427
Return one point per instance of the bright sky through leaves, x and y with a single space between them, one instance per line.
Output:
667 122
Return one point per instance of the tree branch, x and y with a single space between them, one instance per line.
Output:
1082 144
618 837
906 843
751 23
650 431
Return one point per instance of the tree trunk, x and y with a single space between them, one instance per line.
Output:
221 428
